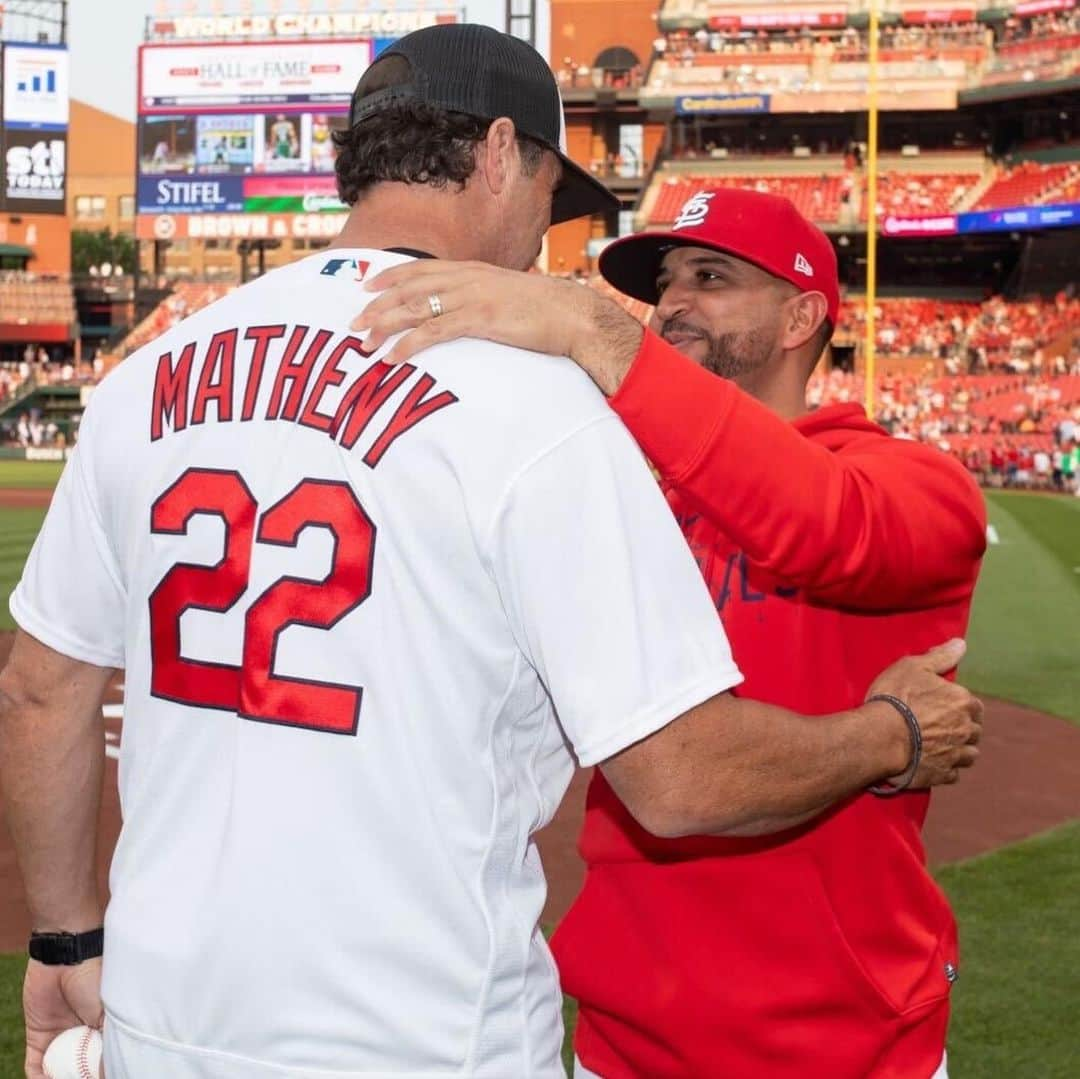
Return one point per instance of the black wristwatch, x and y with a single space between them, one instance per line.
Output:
66 949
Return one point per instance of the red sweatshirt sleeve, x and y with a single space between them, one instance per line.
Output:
877 523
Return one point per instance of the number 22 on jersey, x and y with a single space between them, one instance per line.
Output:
253 690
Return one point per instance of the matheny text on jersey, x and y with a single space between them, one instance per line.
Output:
304 370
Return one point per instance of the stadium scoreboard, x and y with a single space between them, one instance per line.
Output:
236 117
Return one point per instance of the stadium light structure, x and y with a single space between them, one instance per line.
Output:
34 21
871 204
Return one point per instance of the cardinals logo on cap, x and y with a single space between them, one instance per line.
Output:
803 266
694 211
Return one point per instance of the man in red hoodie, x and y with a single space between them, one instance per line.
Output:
831 550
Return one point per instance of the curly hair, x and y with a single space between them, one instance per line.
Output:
413 142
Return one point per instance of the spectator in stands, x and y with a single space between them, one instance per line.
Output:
1041 465
1066 430
1070 467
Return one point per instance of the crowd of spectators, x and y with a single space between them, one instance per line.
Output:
573 75
739 60
847 44
11 381
39 367
996 336
917 193
1052 25
31 431
1008 431
28 427
852 43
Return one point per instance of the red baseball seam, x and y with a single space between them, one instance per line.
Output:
83 1057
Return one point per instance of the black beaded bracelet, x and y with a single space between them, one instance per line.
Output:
887 790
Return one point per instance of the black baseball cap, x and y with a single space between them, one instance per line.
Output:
462 67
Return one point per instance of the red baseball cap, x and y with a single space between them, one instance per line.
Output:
763 229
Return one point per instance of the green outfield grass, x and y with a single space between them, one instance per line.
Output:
18 527
1015 1003
29 473
11 1028
1025 622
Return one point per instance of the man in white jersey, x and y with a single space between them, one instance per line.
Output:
368 618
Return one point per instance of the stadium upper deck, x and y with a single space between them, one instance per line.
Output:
833 193
806 65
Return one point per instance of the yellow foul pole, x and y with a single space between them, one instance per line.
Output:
871 205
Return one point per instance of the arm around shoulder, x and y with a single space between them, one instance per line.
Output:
860 520
737 767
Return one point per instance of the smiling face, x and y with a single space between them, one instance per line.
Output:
721 311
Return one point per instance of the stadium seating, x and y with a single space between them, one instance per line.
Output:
1029 184
816 197
185 300
922 193
26 300
993 424
998 334
908 188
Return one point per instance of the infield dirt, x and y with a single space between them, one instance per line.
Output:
25 497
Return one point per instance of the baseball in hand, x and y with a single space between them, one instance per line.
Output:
75 1054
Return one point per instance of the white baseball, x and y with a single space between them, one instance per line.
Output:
75 1054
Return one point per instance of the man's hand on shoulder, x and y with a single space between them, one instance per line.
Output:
530 311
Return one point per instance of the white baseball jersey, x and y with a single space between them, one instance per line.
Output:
369 617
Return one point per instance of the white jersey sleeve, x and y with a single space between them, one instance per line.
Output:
603 595
71 596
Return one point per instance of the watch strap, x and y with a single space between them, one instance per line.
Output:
67 949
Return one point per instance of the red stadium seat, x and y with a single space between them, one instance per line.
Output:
1031 183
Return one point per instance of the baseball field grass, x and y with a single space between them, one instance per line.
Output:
1025 624
1015 1002
18 527
25 474
11 1033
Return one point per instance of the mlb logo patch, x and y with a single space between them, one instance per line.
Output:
803 266
334 267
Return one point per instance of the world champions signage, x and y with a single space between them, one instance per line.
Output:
354 24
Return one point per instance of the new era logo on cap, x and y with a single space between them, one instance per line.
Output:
694 211
803 266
